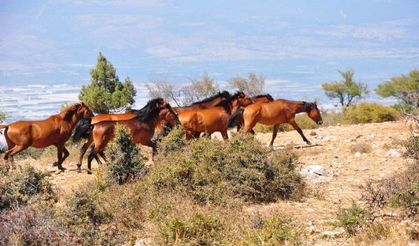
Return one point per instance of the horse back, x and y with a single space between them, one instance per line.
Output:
112 117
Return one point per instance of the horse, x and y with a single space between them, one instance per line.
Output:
277 112
167 119
239 122
55 130
205 103
141 129
214 119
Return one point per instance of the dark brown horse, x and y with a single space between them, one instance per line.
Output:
55 130
206 103
141 128
277 112
214 119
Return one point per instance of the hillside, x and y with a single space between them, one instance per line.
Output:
336 185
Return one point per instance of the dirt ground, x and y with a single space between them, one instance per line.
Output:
331 149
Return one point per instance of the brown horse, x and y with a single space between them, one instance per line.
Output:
239 121
214 119
277 112
166 120
55 130
141 129
205 103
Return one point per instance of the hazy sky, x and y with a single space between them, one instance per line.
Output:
296 45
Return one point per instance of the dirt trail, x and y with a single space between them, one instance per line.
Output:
331 149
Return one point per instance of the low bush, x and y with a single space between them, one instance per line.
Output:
174 141
412 147
278 230
362 148
197 229
400 191
124 160
213 171
19 187
353 218
370 112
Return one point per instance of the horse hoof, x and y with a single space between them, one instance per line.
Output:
309 143
79 170
55 164
89 172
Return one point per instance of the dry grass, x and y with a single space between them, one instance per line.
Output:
362 148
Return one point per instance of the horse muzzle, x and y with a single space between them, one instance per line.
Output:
320 122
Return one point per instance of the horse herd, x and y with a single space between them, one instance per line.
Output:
217 113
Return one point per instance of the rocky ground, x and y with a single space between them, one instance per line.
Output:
334 173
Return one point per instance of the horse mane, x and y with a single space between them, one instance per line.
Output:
226 102
307 106
66 113
151 109
270 98
208 99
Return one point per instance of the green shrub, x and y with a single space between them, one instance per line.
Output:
277 230
403 108
370 112
353 218
175 140
215 171
124 160
412 147
198 229
400 191
21 186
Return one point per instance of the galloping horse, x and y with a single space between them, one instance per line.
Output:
55 130
167 118
213 119
277 112
239 122
141 129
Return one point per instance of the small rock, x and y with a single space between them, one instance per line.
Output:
394 153
333 234
313 133
317 173
357 154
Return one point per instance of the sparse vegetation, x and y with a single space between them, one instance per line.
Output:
412 147
362 148
18 188
353 218
370 112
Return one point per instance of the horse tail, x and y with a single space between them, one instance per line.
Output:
83 129
232 120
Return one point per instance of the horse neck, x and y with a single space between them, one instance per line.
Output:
299 107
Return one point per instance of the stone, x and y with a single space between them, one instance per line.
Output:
317 173
394 153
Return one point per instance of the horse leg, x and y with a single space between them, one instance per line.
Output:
62 153
153 146
274 132
102 154
82 152
13 151
298 129
249 128
224 134
90 158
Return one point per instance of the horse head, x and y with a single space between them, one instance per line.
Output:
76 112
85 111
169 115
313 112
242 99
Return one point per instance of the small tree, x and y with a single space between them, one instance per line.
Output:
199 89
2 116
345 91
105 92
404 88
163 89
252 85
125 162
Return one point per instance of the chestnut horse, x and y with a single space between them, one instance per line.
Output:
141 129
55 130
214 119
167 119
239 122
277 112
